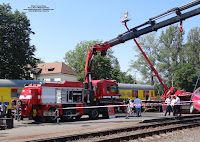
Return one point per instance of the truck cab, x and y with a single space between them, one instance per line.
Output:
29 97
105 90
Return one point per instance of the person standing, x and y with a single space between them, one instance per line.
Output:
173 100
168 105
129 109
3 108
137 104
177 105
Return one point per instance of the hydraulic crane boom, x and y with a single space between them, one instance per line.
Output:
137 31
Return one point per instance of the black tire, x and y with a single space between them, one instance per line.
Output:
67 115
94 114
51 119
192 109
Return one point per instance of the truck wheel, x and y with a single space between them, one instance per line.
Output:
94 113
192 109
67 115
51 119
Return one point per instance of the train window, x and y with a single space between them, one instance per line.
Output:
146 92
19 92
15 93
134 93
108 87
113 88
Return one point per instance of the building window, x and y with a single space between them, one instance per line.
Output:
134 93
51 69
57 79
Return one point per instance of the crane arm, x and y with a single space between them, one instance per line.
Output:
137 31
134 32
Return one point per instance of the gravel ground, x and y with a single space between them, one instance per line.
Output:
26 130
186 135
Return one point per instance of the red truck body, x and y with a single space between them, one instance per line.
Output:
42 101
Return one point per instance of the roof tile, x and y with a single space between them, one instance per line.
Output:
55 67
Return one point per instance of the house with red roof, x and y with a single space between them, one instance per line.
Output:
56 71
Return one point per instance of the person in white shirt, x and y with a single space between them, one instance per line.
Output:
173 100
137 104
177 105
129 108
168 105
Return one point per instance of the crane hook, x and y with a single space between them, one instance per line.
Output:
181 27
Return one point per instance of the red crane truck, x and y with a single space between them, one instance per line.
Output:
40 101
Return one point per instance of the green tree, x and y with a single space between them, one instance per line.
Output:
76 58
185 77
39 60
193 47
186 72
115 73
149 45
16 53
170 52
124 77
102 66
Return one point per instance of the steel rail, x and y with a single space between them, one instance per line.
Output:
184 121
151 133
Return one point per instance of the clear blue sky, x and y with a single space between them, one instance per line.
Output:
72 21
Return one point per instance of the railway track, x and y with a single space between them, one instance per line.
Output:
154 127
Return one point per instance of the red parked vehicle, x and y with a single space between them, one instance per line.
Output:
195 105
42 101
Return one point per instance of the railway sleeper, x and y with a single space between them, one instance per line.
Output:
137 135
